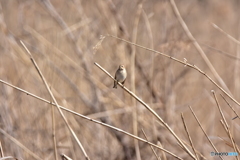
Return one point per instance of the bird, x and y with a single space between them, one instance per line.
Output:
120 76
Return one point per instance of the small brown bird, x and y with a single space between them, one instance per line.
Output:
120 75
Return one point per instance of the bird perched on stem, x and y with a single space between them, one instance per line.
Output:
120 75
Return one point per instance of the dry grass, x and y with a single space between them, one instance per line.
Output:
63 37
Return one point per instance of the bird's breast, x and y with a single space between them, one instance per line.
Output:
121 76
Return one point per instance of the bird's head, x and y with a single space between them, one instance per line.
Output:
121 67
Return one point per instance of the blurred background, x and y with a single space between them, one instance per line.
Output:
66 37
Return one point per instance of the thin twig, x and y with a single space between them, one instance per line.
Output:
151 146
150 109
204 131
190 140
90 119
237 116
53 98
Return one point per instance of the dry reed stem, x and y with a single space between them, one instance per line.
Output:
236 78
196 150
8 157
220 110
151 75
221 52
150 109
53 98
1 150
204 131
68 135
197 46
163 153
225 141
237 116
189 137
184 62
154 152
133 59
20 144
229 144
64 157
224 123
229 36
226 34
149 31
54 133
90 119
230 137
